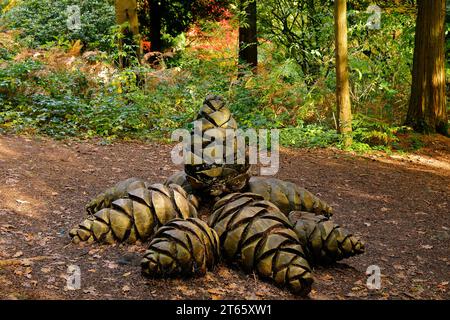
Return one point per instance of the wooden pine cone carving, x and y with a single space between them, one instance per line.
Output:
136 217
181 248
254 234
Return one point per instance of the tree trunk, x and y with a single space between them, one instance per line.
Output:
248 41
342 83
427 106
155 26
126 11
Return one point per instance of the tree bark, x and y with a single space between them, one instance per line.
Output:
126 11
342 82
155 26
248 40
427 106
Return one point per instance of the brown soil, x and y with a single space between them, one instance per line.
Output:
398 205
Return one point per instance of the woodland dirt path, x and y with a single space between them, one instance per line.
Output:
400 207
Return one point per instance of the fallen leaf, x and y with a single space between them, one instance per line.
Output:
90 290
232 286
215 291
46 269
426 246
327 277
225 273
18 254
5 227
125 288
93 251
185 290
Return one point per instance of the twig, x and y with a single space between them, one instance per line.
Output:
11 262
335 122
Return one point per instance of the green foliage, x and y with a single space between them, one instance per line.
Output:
178 15
13 78
374 133
311 135
121 45
380 63
43 21
140 102
380 60
303 30
3 4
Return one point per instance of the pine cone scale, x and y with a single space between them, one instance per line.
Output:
143 220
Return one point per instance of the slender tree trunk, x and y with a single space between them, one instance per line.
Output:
342 83
427 106
155 26
248 41
126 11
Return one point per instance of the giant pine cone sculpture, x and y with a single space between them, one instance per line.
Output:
212 178
181 247
251 228
136 217
256 235
288 196
324 241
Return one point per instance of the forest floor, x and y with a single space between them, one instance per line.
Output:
399 205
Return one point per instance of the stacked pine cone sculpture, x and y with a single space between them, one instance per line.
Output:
215 178
257 236
324 241
136 217
181 247
272 227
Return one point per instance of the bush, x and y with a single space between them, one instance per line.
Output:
43 21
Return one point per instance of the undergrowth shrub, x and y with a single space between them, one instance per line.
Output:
44 21
141 102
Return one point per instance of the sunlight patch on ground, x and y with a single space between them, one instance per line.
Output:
417 159
12 200
6 152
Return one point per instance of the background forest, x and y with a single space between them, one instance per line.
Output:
62 81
